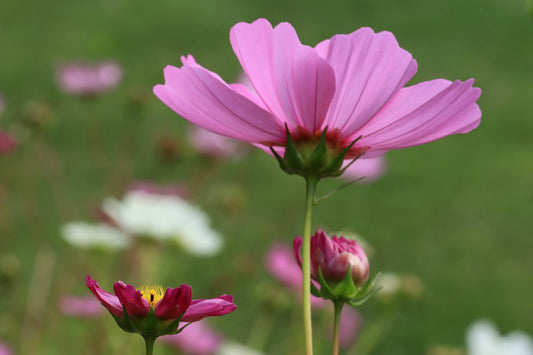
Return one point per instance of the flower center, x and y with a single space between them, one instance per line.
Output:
153 294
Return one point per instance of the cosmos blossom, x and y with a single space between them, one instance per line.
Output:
351 86
88 79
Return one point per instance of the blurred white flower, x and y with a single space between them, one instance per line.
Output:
232 348
165 217
87 235
482 338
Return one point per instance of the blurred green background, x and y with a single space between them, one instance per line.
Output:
456 212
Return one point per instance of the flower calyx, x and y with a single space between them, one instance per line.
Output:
312 159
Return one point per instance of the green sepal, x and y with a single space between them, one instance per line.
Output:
125 323
346 291
325 290
282 164
314 291
319 157
336 164
293 158
172 328
367 290
346 288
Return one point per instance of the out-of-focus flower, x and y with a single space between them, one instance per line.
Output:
7 143
156 189
165 217
88 79
5 349
214 145
350 326
369 169
196 339
232 348
334 257
280 263
94 236
393 285
482 338
152 311
348 89
84 307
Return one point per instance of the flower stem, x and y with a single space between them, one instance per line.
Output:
336 324
149 342
306 265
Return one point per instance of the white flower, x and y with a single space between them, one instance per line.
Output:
165 217
86 235
232 348
483 338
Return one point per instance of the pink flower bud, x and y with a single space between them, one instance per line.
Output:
334 256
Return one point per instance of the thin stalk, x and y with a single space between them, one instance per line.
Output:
336 324
306 265
149 342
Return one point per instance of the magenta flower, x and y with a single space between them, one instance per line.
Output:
197 339
88 79
334 257
7 143
152 311
353 85
85 307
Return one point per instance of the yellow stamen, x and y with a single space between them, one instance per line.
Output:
153 294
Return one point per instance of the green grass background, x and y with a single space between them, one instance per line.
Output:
457 212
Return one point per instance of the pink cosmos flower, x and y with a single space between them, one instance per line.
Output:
196 339
88 79
280 264
353 85
371 169
7 143
5 349
85 307
334 256
169 305
213 145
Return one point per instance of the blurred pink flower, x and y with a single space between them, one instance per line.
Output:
280 263
5 349
371 169
352 84
213 145
196 339
333 256
7 143
88 79
157 189
350 325
85 307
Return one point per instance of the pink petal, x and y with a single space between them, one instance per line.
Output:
369 68
108 300
423 113
205 100
209 307
131 299
280 264
371 169
293 81
197 339
174 302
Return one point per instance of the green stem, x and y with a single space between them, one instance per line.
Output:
306 265
336 323
149 342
